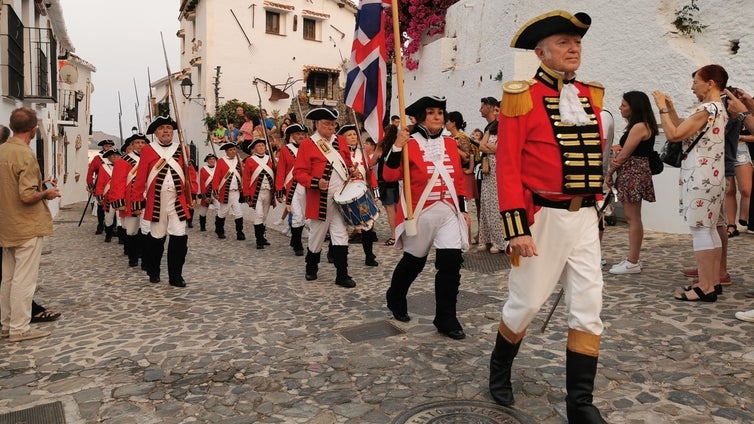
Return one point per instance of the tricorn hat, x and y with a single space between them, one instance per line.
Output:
555 22
294 128
422 104
133 137
248 145
322 113
109 153
209 156
345 128
227 146
104 143
160 121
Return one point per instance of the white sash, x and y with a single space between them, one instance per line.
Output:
132 173
262 162
289 176
211 175
333 157
108 167
166 158
232 164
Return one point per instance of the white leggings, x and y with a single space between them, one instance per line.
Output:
705 238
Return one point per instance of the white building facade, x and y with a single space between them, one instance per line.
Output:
38 70
629 46
301 47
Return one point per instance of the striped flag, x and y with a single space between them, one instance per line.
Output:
367 74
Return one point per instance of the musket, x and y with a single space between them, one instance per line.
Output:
264 126
136 107
149 101
298 103
181 139
89 200
120 122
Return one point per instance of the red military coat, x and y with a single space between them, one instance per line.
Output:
147 193
311 166
93 170
286 160
354 157
102 186
121 185
223 176
252 187
205 183
421 171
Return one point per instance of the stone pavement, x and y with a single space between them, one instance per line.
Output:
249 340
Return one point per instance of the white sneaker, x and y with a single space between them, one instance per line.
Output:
28 335
494 250
626 267
747 316
482 247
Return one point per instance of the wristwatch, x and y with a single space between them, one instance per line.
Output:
741 116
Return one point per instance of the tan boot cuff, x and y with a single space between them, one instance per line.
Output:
583 343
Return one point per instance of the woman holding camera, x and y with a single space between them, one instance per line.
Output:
702 176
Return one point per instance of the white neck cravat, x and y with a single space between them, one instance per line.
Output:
571 110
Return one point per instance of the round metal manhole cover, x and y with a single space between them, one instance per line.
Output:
462 412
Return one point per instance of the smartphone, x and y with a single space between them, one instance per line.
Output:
48 185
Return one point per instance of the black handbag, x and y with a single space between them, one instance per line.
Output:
655 163
673 154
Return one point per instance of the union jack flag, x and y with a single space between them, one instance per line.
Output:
367 74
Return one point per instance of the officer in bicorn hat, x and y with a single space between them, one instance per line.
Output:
258 186
287 189
227 189
92 172
206 174
321 170
102 191
124 174
549 175
159 191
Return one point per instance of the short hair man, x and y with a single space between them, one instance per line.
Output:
546 201
26 221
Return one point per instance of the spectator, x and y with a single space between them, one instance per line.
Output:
490 231
388 190
740 182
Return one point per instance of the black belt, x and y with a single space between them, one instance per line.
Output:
574 204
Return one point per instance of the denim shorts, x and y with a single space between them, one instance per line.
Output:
743 156
388 195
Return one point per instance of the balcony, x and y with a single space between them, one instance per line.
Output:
69 107
41 53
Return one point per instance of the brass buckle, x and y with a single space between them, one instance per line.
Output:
575 203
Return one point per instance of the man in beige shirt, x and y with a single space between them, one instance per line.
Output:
26 220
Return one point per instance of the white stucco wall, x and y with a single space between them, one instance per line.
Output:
629 46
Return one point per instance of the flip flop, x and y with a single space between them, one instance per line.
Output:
390 242
45 316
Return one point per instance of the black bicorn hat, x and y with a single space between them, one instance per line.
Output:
111 152
160 121
423 103
555 22
294 128
345 128
227 146
107 142
209 156
322 113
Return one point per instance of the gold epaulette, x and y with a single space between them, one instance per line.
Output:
596 92
517 98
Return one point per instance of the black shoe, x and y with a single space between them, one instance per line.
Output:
310 277
240 236
370 262
299 252
133 263
453 334
260 246
346 282
221 236
330 258
108 238
178 283
154 279
400 317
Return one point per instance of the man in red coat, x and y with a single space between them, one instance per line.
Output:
102 191
160 192
439 205
124 174
258 185
322 171
549 173
206 174
287 189
226 188
91 180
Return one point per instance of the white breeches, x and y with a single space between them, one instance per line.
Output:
169 222
263 206
437 226
232 206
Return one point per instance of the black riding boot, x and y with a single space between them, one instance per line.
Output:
220 227
100 220
264 231
367 240
501 362
121 233
202 223
190 220
404 274
340 255
330 255
153 250
581 370
239 229
134 248
298 247
109 233
259 235
447 280
312 265
177 248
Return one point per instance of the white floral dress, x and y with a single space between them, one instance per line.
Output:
702 178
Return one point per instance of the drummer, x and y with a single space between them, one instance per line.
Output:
323 172
440 217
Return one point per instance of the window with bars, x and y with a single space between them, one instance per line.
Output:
41 44
13 83
272 22
310 29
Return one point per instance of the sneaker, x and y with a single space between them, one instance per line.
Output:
626 267
747 316
603 262
28 335
494 250
482 247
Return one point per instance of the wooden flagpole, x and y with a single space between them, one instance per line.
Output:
409 223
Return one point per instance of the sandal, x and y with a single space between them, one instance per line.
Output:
718 289
701 296
390 242
733 233
45 316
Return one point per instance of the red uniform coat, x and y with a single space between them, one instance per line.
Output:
421 171
251 188
93 170
148 198
223 176
121 189
354 157
529 157
311 166
103 186
205 183
286 160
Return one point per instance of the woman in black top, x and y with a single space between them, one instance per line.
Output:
634 180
